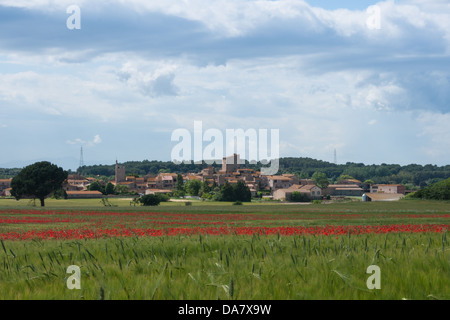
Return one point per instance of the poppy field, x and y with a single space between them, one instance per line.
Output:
224 252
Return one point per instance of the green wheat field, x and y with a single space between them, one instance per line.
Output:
413 265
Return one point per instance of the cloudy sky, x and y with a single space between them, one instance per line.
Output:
369 79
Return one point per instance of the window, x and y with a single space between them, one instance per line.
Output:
313 193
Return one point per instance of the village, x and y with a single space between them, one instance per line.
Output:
275 187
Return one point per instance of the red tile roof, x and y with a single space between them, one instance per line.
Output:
281 178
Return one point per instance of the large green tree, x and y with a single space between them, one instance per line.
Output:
179 184
38 180
242 192
227 192
320 179
192 187
122 190
205 188
109 188
96 186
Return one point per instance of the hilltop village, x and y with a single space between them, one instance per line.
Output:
276 187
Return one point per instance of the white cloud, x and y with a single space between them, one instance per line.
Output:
90 143
434 127
150 80
87 94
37 3
97 139
321 77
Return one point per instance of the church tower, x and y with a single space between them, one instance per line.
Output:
120 173
231 163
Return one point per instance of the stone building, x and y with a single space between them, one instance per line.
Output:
120 173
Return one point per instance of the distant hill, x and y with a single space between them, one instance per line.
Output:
9 173
414 174
410 175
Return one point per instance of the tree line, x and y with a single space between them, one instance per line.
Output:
304 168
410 175
436 191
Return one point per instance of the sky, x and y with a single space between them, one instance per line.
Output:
117 78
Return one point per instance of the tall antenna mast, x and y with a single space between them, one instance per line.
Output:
81 158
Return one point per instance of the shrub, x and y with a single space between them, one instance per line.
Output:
436 191
207 195
162 197
188 203
237 203
60 194
179 194
150 200
299 197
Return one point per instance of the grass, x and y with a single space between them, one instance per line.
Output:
201 267
402 206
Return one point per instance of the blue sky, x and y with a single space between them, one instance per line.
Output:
138 70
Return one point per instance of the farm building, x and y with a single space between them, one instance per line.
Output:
382 196
84 194
5 184
312 191
351 181
279 182
388 188
160 191
7 192
349 190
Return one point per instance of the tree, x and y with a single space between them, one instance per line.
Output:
227 192
109 189
179 184
297 196
122 189
205 188
192 187
242 192
344 177
163 197
38 180
96 186
367 184
150 200
436 191
320 179
60 194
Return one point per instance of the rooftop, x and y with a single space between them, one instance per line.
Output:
385 196
84 192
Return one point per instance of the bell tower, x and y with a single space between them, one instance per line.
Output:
120 173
